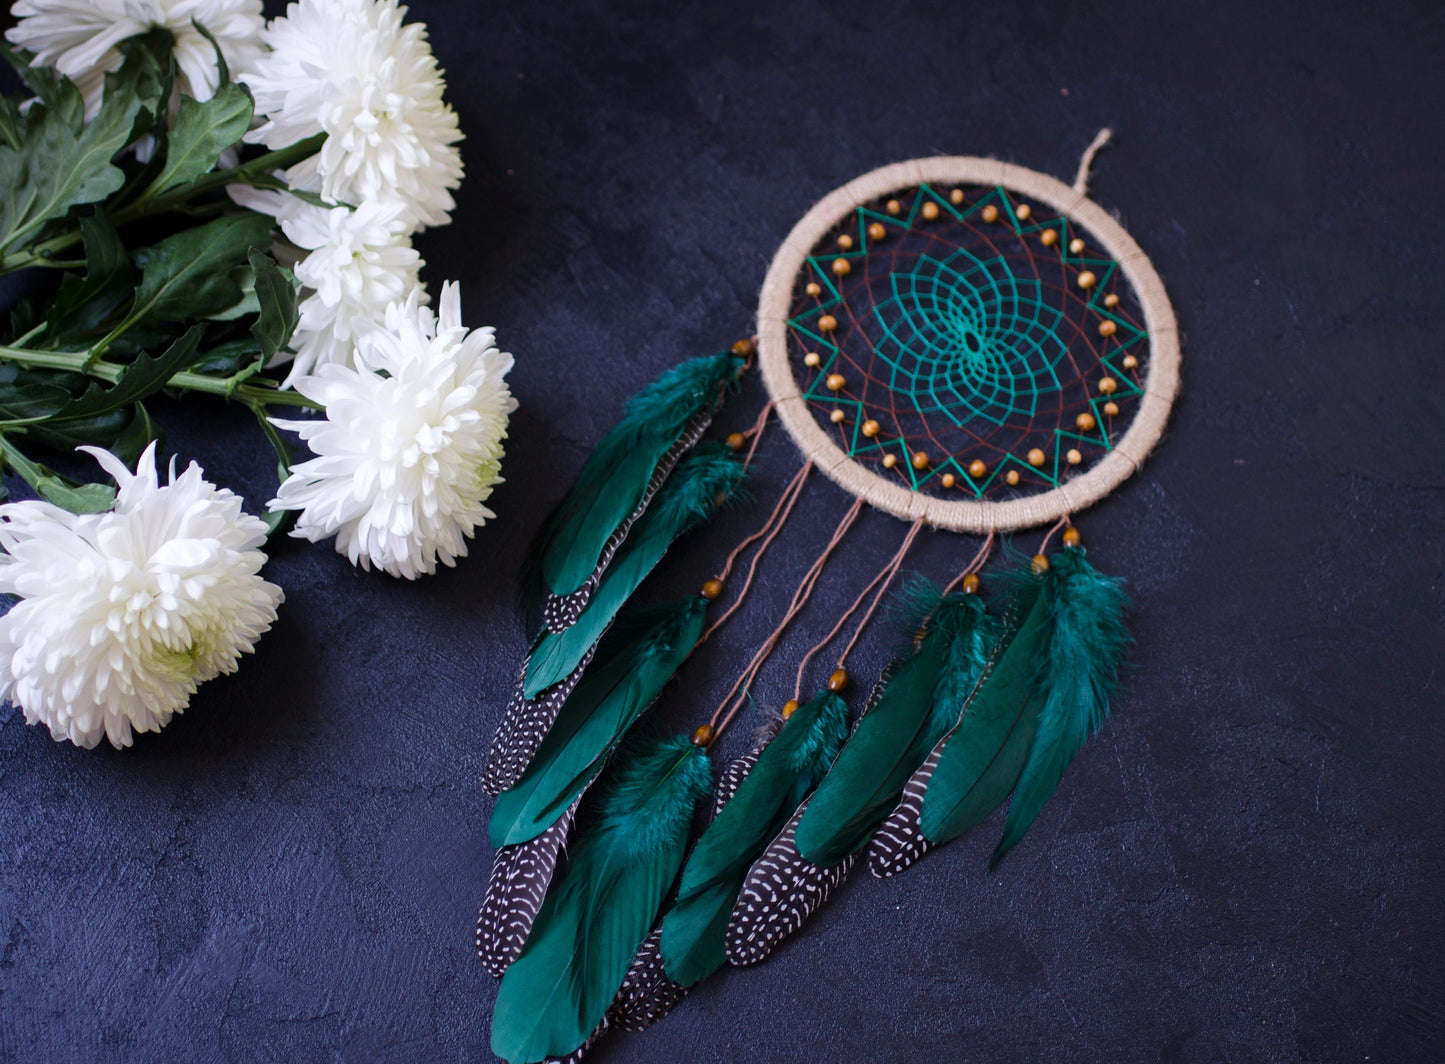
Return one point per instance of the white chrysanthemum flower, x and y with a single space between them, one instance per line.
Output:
360 262
352 70
79 38
411 444
122 614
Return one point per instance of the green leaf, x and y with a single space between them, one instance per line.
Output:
10 122
58 93
201 132
147 74
99 430
278 520
276 293
222 68
229 358
136 436
53 488
83 304
188 275
31 402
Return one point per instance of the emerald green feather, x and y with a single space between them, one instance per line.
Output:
702 483
982 757
557 992
1077 674
615 478
637 657
694 929
921 701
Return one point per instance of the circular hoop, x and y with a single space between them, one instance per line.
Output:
1159 387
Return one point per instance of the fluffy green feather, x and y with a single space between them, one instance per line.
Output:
638 655
694 929
614 480
556 993
1077 674
922 700
702 482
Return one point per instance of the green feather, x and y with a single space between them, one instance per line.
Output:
922 700
556 993
982 757
614 481
700 485
1077 674
694 929
637 657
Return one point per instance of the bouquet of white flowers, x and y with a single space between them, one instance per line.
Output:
223 208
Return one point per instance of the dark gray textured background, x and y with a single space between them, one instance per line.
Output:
1245 865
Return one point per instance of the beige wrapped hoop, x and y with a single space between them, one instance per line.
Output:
972 515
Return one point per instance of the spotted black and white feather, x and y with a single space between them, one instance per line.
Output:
525 723
516 888
899 840
782 890
560 612
581 1051
647 994
731 778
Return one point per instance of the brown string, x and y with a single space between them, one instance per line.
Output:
975 565
771 527
756 432
724 714
885 577
1060 523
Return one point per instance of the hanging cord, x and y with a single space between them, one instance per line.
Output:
771 527
881 581
975 565
756 432
738 694
1081 179
1060 523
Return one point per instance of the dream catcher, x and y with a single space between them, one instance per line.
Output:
962 343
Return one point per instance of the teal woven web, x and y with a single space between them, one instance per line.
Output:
963 338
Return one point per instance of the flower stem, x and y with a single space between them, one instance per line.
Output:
237 386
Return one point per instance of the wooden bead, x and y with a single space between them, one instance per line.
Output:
1086 279
1107 328
1108 386
989 213
1023 211
835 382
930 210
1048 238
977 469
838 680
1111 300
956 196
893 206
744 349
1072 537
789 708
1036 457
877 232
1076 246
1111 408
711 589
889 461
1011 477
920 459
827 323
970 584
1085 422
1039 564
812 288
812 360
836 417
1130 361
947 480
845 241
1073 457
703 735
870 428
842 267
736 441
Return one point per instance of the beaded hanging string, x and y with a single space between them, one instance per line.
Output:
958 342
